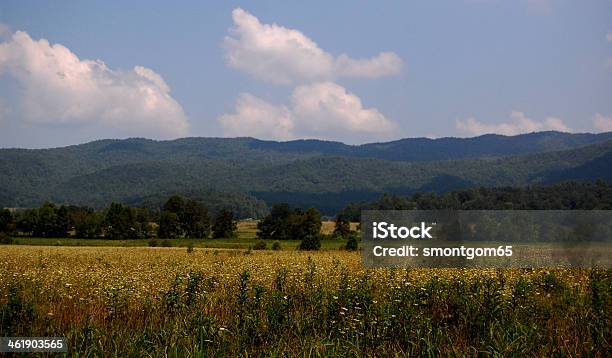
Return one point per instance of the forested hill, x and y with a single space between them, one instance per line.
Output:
248 172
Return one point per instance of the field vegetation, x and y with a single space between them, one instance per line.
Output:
157 301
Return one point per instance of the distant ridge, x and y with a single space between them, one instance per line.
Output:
305 172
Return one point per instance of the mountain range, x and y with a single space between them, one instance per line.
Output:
248 174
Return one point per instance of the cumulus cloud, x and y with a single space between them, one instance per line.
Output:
602 123
258 118
281 55
518 124
321 110
58 88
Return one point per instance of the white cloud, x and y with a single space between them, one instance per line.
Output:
326 109
280 55
58 88
258 118
321 110
518 124
602 123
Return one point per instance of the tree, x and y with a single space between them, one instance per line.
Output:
342 227
285 224
276 225
224 225
51 221
175 204
195 220
85 221
143 225
6 221
352 244
27 220
169 226
119 223
311 223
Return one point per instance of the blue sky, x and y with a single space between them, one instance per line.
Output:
350 71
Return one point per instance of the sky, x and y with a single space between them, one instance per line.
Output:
350 71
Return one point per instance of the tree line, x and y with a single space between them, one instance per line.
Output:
287 223
178 218
562 196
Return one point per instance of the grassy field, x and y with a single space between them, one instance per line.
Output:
144 301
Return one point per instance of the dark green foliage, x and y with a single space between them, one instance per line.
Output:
119 223
27 220
50 221
5 239
562 196
233 172
276 246
342 227
192 217
276 225
311 242
352 244
153 242
85 221
260 245
175 204
16 314
225 225
6 221
283 223
169 226
195 220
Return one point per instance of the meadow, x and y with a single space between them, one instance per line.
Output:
158 301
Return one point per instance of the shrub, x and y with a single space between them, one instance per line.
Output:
352 244
260 245
5 239
276 246
190 248
153 242
311 242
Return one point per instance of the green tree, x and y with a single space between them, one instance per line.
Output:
119 222
169 225
276 225
27 220
6 221
175 204
343 226
52 221
86 222
224 225
311 223
352 244
143 225
195 220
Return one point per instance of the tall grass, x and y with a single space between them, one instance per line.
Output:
288 303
